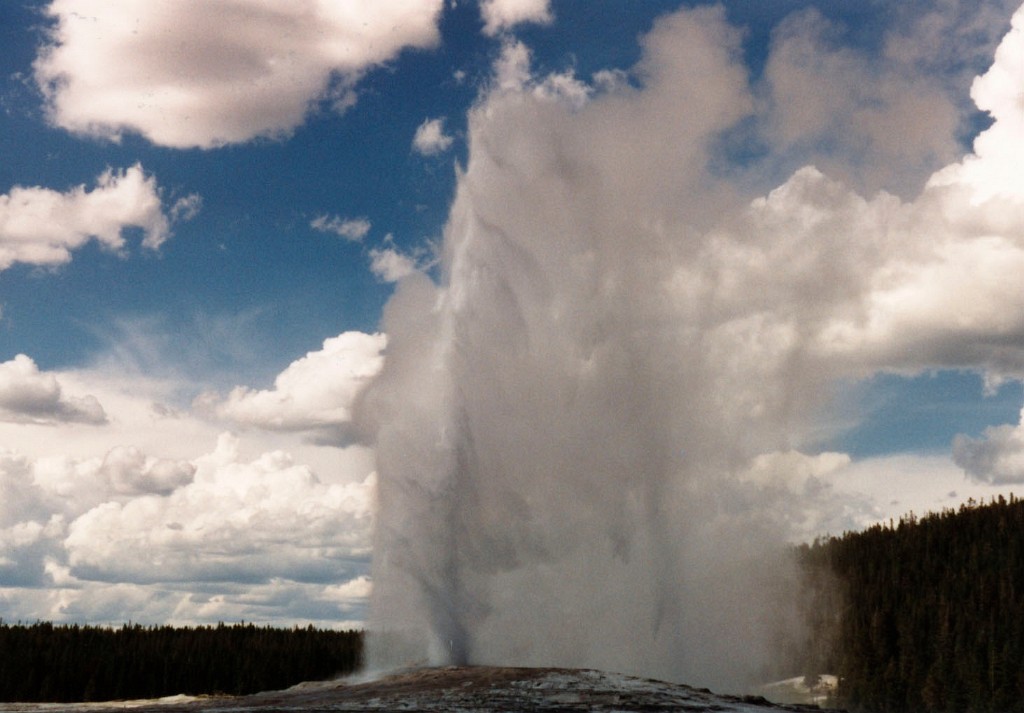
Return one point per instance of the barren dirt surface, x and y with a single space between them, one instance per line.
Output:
459 689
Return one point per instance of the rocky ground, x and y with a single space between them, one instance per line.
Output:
480 689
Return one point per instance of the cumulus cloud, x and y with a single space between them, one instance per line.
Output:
358 588
430 138
960 237
129 470
793 470
512 68
29 395
40 226
315 393
992 172
170 73
501 15
68 490
807 493
220 537
236 521
391 265
27 519
884 488
512 73
997 457
354 229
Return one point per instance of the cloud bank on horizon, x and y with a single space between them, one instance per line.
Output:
752 240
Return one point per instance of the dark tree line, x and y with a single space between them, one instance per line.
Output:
46 662
924 614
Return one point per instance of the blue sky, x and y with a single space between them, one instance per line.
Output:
203 213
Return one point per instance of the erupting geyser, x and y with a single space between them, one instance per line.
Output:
578 426
559 421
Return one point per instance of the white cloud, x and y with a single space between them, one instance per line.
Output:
130 471
186 208
29 395
803 496
354 229
23 500
959 238
831 493
169 71
314 393
391 265
512 73
997 457
235 521
501 15
40 226
566 87
896 485
358 588
148 408
197 349
430 138
512 67
993 172
793 470
92 529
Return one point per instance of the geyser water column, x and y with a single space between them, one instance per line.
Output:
559 422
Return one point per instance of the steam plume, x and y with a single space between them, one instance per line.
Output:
575 428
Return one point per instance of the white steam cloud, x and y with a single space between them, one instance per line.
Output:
583 432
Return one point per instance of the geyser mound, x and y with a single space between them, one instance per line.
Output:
476 688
